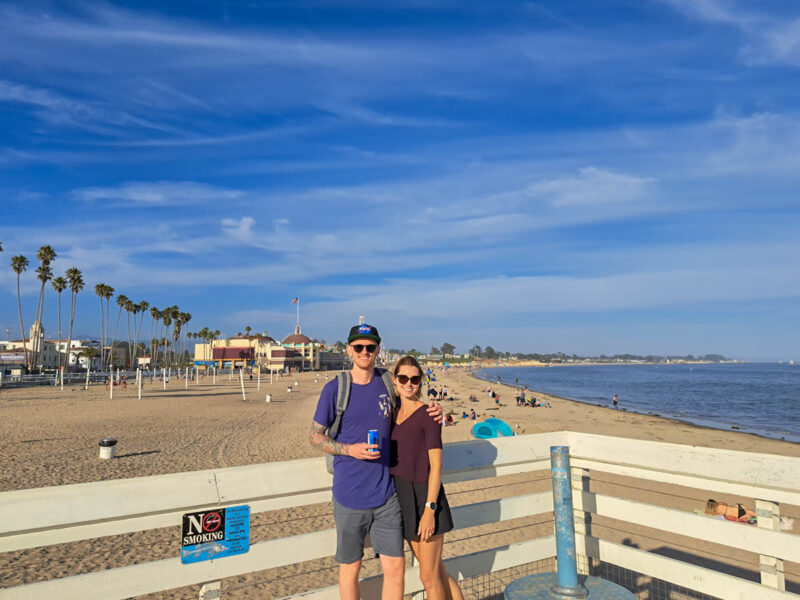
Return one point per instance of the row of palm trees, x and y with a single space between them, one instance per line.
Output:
72 279
167 323
208 337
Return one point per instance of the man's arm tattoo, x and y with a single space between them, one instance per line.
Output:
319 440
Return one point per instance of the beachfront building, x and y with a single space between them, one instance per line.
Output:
245 352
315 356
12 362
78 352
48 356
83 354
296 352
50 353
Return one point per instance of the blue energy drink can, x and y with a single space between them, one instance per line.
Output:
372 438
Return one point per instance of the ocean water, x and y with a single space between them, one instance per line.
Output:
761 398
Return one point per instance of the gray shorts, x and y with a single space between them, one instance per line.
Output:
384 524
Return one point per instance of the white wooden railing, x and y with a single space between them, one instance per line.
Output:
71 513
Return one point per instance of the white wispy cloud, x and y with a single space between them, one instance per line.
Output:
349 110
769 38
60 110
592 186
713 11
58 104
157 193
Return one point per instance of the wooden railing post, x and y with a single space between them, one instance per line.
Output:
769 517
583 519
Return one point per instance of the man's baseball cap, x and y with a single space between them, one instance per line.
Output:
363 331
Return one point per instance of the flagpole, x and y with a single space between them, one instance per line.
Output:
298 312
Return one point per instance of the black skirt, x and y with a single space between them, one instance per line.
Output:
412 497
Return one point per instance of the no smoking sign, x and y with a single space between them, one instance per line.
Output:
214 533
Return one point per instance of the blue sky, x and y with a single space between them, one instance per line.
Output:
589 177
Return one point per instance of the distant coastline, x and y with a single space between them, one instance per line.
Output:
738 396
492 364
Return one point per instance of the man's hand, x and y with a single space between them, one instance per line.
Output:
435 410
363 451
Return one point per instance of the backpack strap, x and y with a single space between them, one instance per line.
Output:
386 377
343 381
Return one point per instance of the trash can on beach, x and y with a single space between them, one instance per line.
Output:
108 447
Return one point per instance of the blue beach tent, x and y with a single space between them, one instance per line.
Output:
491 428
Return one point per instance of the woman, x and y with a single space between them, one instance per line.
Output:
417 471
739 513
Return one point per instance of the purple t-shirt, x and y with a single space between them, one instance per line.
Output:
411 441
360 483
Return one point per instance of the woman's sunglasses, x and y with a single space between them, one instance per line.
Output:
404 379
357 348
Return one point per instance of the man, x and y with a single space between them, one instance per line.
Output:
364 498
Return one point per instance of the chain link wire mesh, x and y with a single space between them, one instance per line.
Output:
490 586
643 587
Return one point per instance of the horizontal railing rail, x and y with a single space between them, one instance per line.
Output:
45 516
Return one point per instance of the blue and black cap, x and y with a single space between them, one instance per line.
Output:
363 331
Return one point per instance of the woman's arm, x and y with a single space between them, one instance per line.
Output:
427 523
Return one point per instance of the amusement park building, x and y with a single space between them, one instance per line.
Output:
297 352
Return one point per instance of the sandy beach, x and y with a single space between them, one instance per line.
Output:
49 437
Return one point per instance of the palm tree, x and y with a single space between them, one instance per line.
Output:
129 308
75 279
19 264
189 336
215 336
185 318
203 335
99 290
59 285
44 273
155 315
176 334
122 299
88 354
175 315
108 293
166 318
247 331
142 308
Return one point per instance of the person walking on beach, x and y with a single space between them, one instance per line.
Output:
417 471
364 496
614 401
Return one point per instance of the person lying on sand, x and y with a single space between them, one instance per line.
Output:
737 512
741 514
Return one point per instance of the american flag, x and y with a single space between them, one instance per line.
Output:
296 300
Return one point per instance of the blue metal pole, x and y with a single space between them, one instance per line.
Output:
564 524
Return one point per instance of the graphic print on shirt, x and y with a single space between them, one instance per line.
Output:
385 405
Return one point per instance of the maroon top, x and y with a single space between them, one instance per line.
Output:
411 441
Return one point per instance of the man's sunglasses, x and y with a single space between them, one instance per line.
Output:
403 379
357 348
